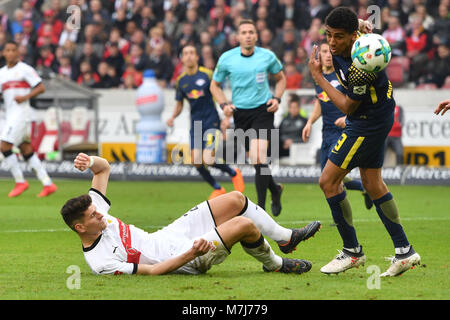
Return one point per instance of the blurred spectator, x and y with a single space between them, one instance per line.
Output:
265 39
65 69
396 10
162 65
156 38
223 21
88 54
145 19
293 77
298 13
96 9
186 36
218 38
46 59
441 27
417 46
16 24
105 80
438 68
87 77
312 37
29 36
56 26
138 58
421 11
114 58
291 126
131 78
394 138
395 35
199 23
4 22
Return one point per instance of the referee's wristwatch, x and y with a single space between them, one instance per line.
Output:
278 99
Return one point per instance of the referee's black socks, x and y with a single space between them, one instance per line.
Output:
263 181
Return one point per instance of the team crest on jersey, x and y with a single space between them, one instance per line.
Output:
323 96
200 82
334 83
359 90
195 94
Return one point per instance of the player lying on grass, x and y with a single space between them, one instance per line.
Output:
201 237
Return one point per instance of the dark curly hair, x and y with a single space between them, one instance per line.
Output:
74 209
342 18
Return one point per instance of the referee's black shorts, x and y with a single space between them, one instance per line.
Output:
257 118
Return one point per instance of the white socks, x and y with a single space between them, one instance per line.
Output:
262 252
265 223
39 169
13 165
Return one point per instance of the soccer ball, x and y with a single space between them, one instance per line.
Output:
371 52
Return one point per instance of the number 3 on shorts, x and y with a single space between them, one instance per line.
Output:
340 142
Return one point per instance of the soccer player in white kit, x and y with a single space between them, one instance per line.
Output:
19 83
191 244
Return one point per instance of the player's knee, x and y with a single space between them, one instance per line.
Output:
246 226
238 199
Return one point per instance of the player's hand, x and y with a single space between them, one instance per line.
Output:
365 26
443 106
225 124
306 132
273 105
340 122
201 247
315 66
82 161
20 99
228 110
170 122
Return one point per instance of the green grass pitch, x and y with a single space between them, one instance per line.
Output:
37 249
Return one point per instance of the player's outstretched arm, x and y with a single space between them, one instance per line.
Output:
316 114
99 167
443 107
199 248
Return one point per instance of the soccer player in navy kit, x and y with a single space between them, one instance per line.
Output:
333 120
247 67
193 85
369 105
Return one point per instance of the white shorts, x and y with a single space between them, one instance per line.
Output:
16 130
195 224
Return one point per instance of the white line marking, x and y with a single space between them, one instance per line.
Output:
279 222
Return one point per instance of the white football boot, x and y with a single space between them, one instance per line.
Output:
343 261
402 263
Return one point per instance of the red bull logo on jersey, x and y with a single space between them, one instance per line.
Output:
323 96
195 94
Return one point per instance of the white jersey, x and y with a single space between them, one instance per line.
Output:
17 81
121 247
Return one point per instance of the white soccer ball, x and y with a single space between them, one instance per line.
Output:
371 52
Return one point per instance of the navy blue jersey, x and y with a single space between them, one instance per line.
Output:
330 113
195 88
374 90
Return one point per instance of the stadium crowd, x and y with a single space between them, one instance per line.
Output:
118 39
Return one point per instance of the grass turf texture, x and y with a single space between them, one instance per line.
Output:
36 247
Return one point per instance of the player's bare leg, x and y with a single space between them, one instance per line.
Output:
12 163
263 177
405 256
351 255
28 154
230 205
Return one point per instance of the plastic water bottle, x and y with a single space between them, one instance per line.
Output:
151 130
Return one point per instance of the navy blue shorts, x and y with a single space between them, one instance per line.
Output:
352 150
325 149
209 137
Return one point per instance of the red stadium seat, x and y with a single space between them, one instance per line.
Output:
395 73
